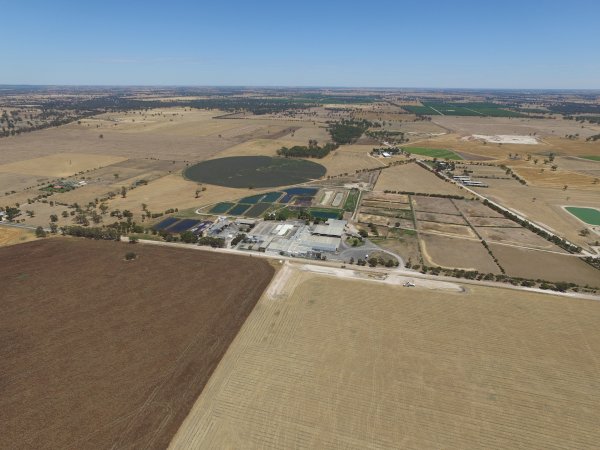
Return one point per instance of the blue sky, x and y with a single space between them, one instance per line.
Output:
464 44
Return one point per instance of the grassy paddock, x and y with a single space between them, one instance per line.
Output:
433 152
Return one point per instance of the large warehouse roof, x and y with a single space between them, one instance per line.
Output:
332 227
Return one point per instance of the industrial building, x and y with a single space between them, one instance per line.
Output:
295 238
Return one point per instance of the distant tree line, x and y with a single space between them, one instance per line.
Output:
348 131
313 150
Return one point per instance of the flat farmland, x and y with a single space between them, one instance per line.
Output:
440 218
402 242
386 197
60 165
348 159
544 205
474 208
434 205
457 253
558 179
413 178
396 367
517 236
533 264
13 235
99 352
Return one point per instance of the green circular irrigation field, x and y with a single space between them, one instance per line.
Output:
254 171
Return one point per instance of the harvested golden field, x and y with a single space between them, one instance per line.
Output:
533 264
191 135
558 179
334 363
60 164
13 235
413 178
457 253
348 159
18 181
173 191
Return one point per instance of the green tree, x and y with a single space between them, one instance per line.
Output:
188 237
40 232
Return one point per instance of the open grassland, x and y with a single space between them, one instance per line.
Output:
349 158
12 235
335 363
521 237
432 152
544 205
534 264
451 252
173 191
413 178
99 352
401 242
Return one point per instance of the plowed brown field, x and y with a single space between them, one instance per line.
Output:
99 352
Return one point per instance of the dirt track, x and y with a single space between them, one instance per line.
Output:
98 352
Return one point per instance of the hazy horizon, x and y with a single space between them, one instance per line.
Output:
439 45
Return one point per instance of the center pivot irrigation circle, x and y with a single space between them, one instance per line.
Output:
254 171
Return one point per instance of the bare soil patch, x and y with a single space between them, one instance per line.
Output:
99 352
434 205
440 218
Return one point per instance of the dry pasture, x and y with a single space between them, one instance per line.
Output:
534 264
434 205
60 164
14 235
456 253
99 352
413 178
337 363
517 236
440 218
447 229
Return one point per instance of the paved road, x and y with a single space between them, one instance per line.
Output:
414 275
